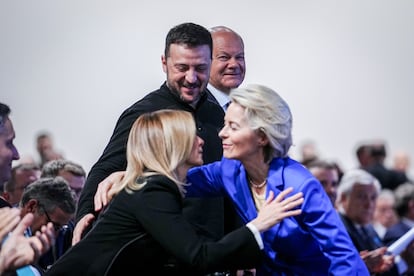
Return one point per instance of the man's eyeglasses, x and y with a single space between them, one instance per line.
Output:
56 226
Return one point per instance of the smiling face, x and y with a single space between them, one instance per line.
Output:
8 151
228 66
188 70
239 140
196 157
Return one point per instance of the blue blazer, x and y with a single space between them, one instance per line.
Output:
313 243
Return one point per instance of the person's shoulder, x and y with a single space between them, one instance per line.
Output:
295 166
160 182
298 173
399 228
147 98
154 100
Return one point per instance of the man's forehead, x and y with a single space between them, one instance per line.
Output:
182 48
6 129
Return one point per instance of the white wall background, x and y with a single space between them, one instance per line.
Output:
345 67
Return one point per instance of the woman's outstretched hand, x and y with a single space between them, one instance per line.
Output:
274 210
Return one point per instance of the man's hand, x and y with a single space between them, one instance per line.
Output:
80 227
103 195
9 218
376 260
19 250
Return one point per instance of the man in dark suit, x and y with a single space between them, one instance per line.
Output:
19 251
404 205
388 178
228 65
357 194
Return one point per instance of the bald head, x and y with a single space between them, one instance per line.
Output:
228 66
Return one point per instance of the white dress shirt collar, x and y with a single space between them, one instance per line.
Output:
221 97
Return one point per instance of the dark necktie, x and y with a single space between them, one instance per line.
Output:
226 106
370 239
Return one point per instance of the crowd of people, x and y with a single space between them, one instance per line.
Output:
196 179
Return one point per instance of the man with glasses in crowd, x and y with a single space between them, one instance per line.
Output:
50 200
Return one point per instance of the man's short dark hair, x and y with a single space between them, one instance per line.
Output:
4 112
189 34
51 193
53 168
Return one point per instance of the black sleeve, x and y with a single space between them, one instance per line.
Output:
159 209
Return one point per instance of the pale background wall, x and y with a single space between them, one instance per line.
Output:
345 67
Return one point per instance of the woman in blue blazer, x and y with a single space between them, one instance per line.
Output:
256 138
144 225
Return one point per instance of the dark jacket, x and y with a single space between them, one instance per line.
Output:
373 242
139 228
4 203
395 232
208 214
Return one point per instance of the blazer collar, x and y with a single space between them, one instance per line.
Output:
242 193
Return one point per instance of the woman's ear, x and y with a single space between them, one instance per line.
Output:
263 140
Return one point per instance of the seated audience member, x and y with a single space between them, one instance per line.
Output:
357 195
46 148
402 163
17 251
74 174
404 205
145 218
49 200
308 152
22 176
384 214
327 174
388 178
364 155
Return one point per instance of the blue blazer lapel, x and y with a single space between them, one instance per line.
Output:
240 192
275 181
243 197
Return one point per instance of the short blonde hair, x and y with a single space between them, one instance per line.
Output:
266 111
158 143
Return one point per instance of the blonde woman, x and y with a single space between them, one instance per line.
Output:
143 226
